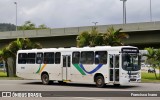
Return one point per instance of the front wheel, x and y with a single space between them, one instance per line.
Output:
100 81
45 79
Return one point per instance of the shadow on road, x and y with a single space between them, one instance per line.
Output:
84 85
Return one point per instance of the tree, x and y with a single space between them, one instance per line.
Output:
42 26
114 37
158 59
93 38
151 58
96 38
28 25
7 27
10 52
83 39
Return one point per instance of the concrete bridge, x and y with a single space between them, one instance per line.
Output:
146 34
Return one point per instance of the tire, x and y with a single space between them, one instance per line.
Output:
100 81
45 79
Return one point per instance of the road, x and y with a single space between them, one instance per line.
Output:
36 85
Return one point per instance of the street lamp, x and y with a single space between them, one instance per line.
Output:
124 11
150 11
95 23
16 14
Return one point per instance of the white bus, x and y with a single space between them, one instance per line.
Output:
101 65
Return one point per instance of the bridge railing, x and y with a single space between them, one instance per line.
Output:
146 26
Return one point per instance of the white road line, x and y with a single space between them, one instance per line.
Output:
87 98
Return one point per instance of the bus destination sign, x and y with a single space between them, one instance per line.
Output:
130 50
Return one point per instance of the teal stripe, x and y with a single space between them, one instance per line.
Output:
79 69
39 69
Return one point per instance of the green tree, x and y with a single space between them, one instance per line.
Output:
151 58
93 38
42 26
114 37
83 39
96 38
10 52
28 25
158 59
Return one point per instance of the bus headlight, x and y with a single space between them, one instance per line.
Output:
138 75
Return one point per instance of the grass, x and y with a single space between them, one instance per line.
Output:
3 76
149 77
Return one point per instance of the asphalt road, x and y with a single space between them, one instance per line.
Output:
36 85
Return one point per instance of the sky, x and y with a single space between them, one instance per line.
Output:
75 13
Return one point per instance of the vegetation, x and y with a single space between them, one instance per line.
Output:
7 27
8 53
28 25
3 74
93 38
148 77
153 58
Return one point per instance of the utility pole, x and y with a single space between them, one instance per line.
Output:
16 14
124 11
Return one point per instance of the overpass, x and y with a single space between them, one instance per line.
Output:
146 34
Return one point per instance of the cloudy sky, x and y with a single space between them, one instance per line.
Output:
73 13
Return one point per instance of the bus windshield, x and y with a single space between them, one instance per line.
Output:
130 62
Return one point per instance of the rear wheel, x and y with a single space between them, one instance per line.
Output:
45 79
100 81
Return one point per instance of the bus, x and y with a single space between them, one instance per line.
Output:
101 65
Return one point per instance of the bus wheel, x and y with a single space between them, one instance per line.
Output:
100 81
45 79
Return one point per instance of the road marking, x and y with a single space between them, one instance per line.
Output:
87 98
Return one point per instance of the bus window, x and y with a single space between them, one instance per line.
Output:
87 57
48 58
39 58
22 58
75 57
57 58
101 57
31 58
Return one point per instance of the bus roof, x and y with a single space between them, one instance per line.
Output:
118 48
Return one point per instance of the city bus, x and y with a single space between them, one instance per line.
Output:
101 65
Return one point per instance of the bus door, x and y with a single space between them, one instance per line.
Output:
114 68
66 67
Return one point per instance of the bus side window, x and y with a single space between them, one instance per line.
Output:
57 58
75 57
22 58
31 58
101 57
87 57
39 58
48 58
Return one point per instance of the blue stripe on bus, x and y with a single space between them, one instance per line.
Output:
94 70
